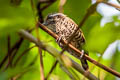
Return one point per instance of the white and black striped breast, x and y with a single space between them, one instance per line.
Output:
66 28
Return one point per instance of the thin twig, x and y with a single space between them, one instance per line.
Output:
41 65
24 52
39 9
40 19
48 4
9 44
9 47
39 12
9 56
12 49
111 4
61 4
14 54
51 70
40 53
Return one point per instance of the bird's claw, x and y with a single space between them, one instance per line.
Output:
81 56
59 39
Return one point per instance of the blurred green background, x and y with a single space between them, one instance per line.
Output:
101 30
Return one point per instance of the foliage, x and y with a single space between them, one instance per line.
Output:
18 14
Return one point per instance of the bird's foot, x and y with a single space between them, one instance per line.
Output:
81 56
59 39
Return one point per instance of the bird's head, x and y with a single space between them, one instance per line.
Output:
52 19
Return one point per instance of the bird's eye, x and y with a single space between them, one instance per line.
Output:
49 17
58 16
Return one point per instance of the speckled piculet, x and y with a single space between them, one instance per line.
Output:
64 27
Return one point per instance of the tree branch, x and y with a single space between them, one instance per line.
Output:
55 53
79 52
111 4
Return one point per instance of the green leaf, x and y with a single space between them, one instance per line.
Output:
76 9
100 37
13 17
11 72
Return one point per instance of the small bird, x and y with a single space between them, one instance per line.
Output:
64 27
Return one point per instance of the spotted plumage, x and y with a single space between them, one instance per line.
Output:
64 27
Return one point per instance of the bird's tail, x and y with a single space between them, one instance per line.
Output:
84 62
82 59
